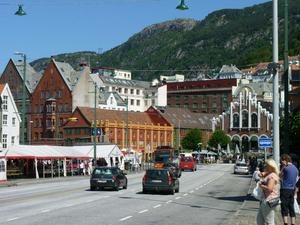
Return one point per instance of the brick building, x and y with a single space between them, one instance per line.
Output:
143 128
206 96
13 76
246 120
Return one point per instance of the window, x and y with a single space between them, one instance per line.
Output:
131 101
138 102
66 107
125 90
2 166
132 91
14 121
111 100
36 123
59 94
4 102
195 106
4 120
61 121
254 120
4 140
12 140
236 120
245 119
137 92
204 107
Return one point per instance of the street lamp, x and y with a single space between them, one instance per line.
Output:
20 11
95 129
23 95
182 6
126 133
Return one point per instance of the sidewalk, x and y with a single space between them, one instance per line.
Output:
246 215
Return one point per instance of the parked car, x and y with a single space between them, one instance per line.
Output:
108 177
188 163
241 168
160 180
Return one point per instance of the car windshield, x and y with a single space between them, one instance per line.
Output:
104 171
186 159
156 173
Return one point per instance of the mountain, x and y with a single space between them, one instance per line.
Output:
231 36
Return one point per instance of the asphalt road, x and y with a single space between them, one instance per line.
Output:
208 196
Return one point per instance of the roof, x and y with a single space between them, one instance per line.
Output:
67 72
32 77
125 83
2 86
184 118
102 151
120 116
105 95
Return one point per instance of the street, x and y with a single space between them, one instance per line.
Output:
211 195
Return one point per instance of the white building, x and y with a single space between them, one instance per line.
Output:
10 118
175 78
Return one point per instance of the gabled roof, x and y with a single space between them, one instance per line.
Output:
2 86
105 95
184 118
69 75
32 77
120 116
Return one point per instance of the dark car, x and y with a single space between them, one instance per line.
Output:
160 180
108 177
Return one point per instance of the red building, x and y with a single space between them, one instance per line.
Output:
206 96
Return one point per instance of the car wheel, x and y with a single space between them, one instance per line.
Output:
177 190
172 191
145 191
93 188
116 188
125 186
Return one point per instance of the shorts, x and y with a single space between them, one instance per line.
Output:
287 202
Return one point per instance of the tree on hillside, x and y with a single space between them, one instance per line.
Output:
192 139
294 132
219 137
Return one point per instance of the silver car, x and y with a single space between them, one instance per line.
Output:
241 168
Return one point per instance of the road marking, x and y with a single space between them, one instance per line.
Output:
201 186
197 189
46 210
185 194
178 198
15 218
191 191
169 201
125 218
143 211
156 206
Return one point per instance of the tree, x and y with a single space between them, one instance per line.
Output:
192 139
219 137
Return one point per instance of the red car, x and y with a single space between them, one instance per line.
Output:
188 163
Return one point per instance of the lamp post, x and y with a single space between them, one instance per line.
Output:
23 96
95 129
276 150
126 133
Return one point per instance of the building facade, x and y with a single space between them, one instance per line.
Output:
144 128
10 119
206 96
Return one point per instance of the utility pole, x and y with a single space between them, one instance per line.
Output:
95 129
276 150
126 133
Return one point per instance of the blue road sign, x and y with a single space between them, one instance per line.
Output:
265 142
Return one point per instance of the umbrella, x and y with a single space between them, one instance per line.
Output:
237 150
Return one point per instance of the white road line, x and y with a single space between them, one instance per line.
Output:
88 201
191 191
143 211
15 218
201 186
156 206
197 189
178 198
46 210
185 194
169 201
125 218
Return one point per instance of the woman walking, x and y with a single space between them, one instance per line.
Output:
270 186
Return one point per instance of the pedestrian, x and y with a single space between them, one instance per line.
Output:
289 174
82 168
270 186
256 175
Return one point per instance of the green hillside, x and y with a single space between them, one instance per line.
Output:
231 36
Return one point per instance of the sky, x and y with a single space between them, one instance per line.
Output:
53 27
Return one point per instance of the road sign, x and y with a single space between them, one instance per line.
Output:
265 142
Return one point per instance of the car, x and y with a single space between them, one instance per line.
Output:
160 180
188 163
241 168
108 177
